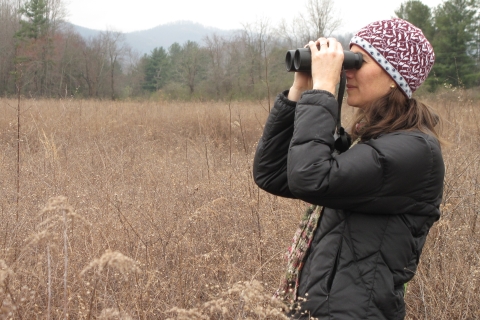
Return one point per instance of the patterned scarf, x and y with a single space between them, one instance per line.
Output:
296 254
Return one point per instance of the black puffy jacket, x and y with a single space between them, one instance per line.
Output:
380 199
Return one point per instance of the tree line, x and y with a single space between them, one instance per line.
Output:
40 56
453 29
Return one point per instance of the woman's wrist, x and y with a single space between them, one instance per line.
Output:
323 87
294 94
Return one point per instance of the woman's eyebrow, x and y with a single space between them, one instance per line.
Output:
365 56
363 53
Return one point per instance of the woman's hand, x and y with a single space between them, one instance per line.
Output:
302 82
327 60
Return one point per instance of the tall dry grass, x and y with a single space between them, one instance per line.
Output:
143 210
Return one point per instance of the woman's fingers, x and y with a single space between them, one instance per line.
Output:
322 43
327 58
313 46
326 43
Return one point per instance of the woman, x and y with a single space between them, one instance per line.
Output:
381 196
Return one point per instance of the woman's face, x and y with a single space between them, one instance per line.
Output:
367 84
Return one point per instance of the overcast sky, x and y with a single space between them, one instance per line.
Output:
127 16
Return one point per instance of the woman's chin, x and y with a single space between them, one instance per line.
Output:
351 103
354 103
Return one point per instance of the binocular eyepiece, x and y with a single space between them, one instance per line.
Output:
300 60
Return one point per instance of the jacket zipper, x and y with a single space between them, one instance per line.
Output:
334 270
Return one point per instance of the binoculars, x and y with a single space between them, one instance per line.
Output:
300 60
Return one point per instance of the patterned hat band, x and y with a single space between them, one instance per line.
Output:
383 62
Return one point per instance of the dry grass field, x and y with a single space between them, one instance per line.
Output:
148 210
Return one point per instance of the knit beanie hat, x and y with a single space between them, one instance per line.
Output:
400 49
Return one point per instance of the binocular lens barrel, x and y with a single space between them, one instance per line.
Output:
289 60
300 60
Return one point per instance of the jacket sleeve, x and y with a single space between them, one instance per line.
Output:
270 162
374 177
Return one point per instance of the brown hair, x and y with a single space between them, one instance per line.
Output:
394 112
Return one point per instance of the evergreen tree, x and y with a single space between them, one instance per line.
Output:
35 22
34 44
455 23
157 70
419 14
175 54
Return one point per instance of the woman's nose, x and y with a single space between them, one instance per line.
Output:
350 73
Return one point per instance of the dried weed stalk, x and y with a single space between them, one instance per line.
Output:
244 300
166 188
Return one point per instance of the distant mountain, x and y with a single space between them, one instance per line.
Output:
162 36
84 32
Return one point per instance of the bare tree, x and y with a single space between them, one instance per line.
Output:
259 43
134 72
68 69
256 36
9 22
215 47
56 13
94 58
289 31
320 19
189 61
116 48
